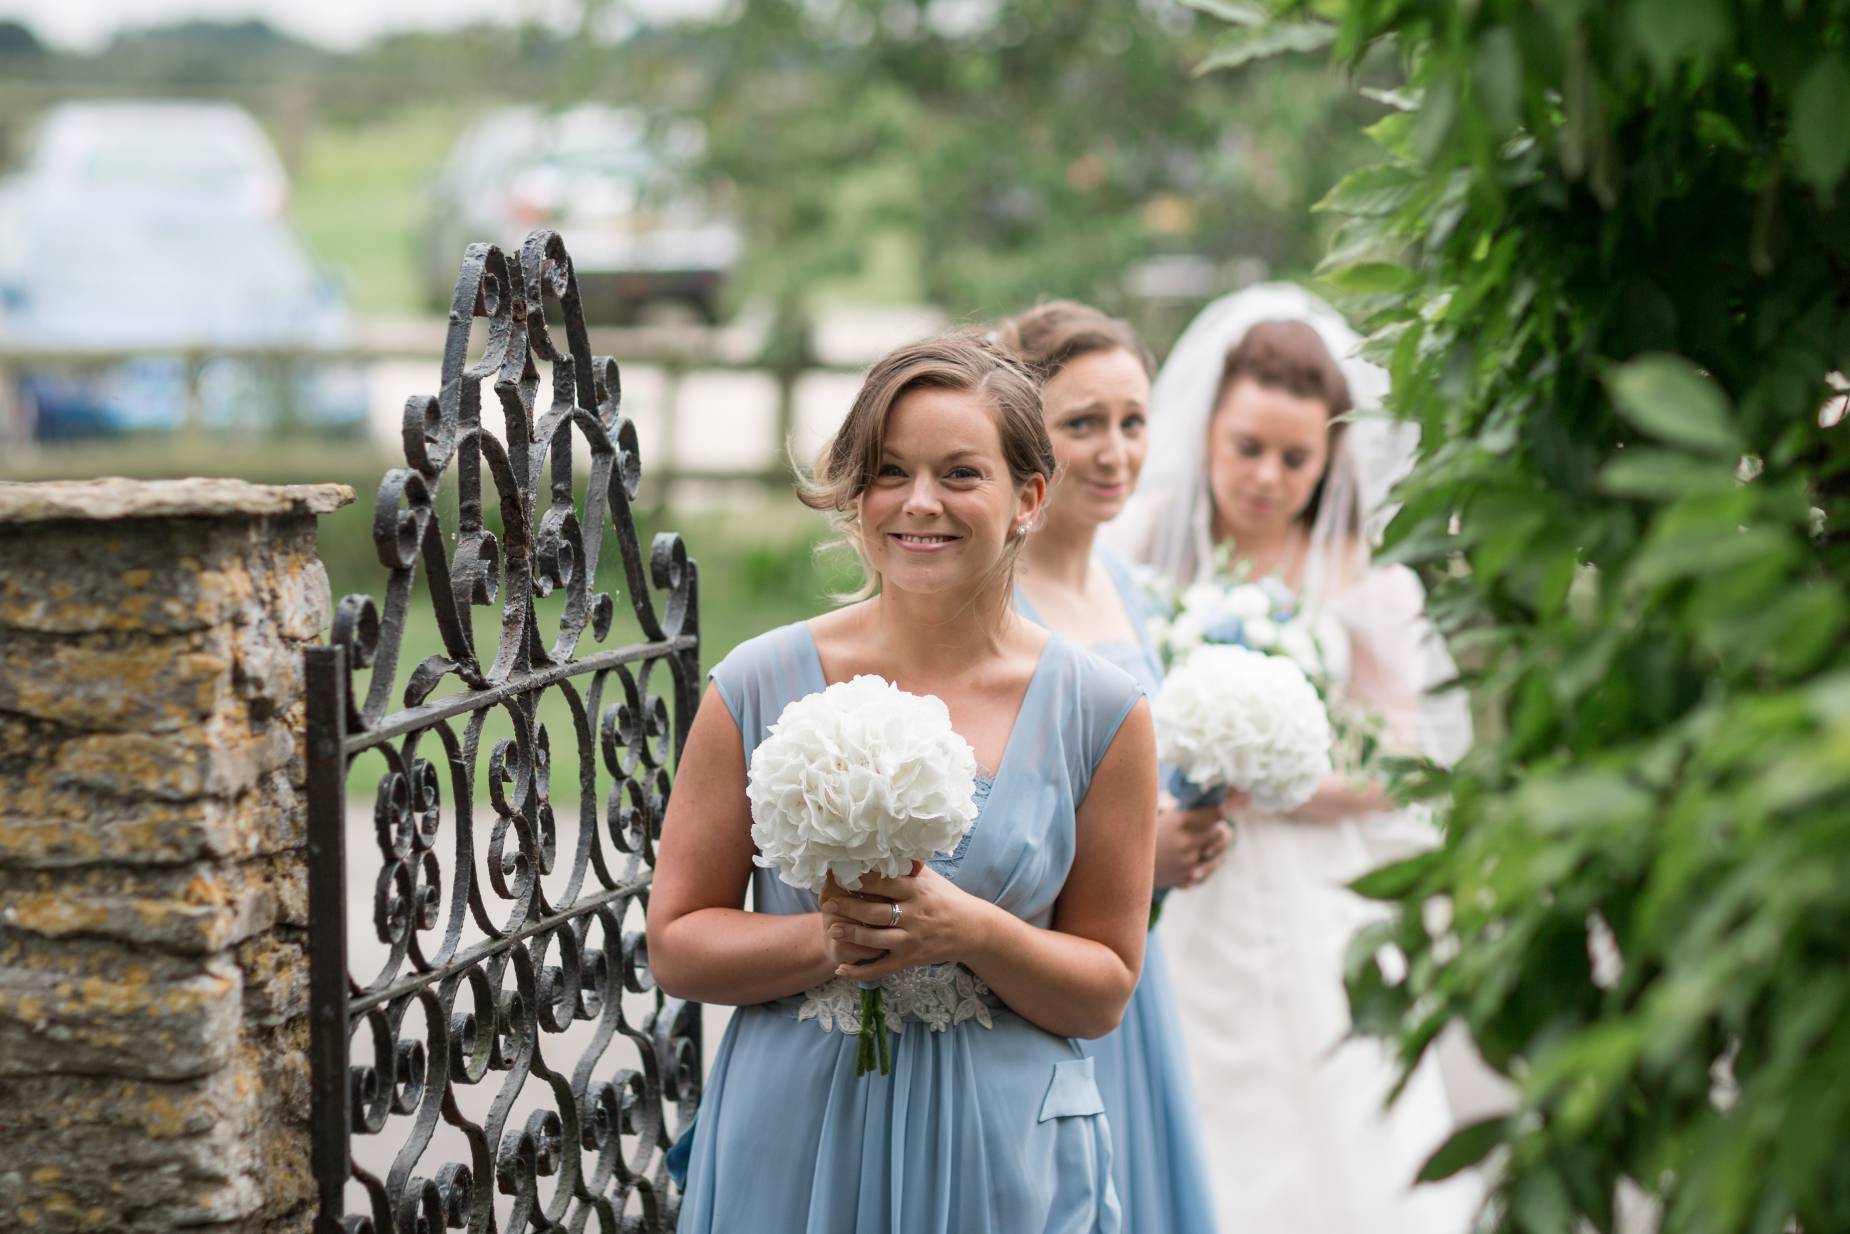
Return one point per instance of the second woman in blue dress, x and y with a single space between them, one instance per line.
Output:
995 958
1096 399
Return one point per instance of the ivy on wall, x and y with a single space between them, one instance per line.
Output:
1605 254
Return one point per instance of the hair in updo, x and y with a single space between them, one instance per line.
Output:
1290 356
963 360
1050 336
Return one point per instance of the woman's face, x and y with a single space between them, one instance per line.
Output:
1266 451
942 505
1097 409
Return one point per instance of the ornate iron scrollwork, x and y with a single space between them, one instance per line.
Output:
507 1064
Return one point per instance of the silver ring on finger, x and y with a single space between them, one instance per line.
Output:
894 924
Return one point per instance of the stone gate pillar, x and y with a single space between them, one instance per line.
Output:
153 979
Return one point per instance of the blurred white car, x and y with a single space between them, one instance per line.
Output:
141 238
173 152
619 190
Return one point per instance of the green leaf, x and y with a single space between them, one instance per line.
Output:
1581 799
1236 12
1497 77
1669 398
1359 240
1583 1068
1718 129
1584 667
1542 1205
1251 43
1390 882
1664 475
1705 551
1399 100
1502 525
1438 113
1464 1148
1811 617
1381 189
1821 122
1429 543
1671 31
1369 278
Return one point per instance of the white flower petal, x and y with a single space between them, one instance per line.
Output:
1236 717
859 778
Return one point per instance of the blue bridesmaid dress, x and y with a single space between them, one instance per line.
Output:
1160 1162
987 1124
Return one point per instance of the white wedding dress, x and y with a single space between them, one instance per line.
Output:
1297 1139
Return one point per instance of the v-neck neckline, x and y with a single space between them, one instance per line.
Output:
1021 709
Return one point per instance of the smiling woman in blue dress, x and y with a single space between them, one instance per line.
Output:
1096 397
995 957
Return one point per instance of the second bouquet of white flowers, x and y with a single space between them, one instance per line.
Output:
860 778
1229 716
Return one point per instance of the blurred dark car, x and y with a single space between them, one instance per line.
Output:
145 258
618 189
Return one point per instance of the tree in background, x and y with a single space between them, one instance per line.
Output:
1606 255
1008 151
975 155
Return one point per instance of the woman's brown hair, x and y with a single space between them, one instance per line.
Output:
959 361
1050 336
1291 356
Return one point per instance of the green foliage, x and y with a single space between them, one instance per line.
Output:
978 157
1605 257
1026 150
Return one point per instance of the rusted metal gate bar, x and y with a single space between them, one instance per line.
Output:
506 1064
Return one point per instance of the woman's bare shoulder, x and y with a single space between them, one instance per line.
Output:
840 629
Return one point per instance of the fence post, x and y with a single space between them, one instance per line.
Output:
153 988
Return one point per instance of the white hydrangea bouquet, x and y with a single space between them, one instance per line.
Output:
1216 717
1234 612
860 778
1231 717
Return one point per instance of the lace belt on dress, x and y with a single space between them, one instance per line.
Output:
939 996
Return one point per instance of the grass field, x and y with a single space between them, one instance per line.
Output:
359 201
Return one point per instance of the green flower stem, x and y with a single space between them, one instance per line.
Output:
873 1050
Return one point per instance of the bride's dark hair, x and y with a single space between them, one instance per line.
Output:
1290 356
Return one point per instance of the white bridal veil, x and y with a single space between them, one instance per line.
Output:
1168 522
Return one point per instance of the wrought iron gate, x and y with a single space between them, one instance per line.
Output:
506 1063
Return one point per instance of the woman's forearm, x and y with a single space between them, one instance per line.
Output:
737 958
1070 986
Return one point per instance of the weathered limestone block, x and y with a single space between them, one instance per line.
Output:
275 969
195 908
101 1008
47 823
154 1067
138 556
113 682
216 1151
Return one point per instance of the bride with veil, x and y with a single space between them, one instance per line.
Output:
1249 450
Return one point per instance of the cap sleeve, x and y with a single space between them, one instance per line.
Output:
762 675
1100 696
